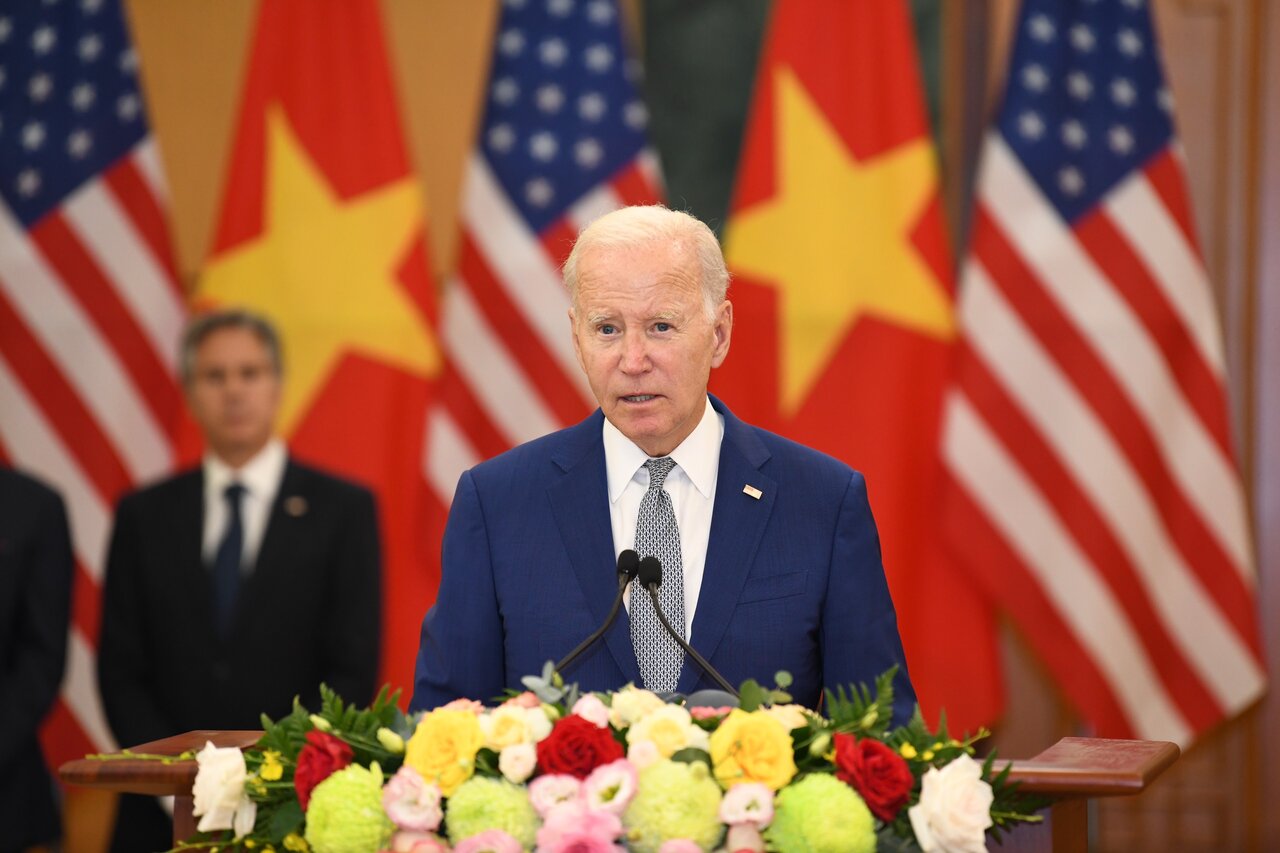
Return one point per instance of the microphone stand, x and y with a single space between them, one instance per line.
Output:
627 568
652 587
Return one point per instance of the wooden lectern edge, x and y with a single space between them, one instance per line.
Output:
1073 767
1094 767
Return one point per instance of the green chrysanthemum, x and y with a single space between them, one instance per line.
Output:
482 803
345 813
675 800
820 814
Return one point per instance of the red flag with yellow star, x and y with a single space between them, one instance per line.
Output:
322 229
843 306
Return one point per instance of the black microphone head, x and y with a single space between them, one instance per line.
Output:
628 563
650 572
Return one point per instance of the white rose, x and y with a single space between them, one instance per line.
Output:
954 810
539 723
670 728
218 792
517 762
631 704
592 709
507 725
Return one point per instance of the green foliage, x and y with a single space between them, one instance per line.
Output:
861 712
692 755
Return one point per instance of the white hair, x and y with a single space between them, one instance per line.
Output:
643 225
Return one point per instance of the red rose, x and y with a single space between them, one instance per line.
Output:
576 747
322 755
876 772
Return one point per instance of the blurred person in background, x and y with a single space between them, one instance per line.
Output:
233 587
35 606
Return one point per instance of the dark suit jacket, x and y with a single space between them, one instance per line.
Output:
792 581
35 605
308 613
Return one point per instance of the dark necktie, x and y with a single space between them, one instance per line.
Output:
657 535
226 562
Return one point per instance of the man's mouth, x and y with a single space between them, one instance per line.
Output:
638 398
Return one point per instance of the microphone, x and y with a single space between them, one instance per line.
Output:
628 562
650 577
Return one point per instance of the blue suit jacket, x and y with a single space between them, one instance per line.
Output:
793 580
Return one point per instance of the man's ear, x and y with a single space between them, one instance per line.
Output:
723 331
573 333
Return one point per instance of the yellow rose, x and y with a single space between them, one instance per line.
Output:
752 747
443 748
670 728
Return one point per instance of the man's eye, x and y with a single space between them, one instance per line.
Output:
608 329
662 327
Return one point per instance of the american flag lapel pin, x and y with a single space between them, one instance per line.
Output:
752 491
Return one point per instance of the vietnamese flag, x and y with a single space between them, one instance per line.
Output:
843 301
322 229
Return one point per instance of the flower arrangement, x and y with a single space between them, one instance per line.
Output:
553 769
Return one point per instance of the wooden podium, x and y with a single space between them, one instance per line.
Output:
1070 772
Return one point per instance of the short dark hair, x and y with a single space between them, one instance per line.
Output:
203 325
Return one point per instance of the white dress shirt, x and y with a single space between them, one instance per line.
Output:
261 478
691 484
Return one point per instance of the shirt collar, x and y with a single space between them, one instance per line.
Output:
698 455
260 475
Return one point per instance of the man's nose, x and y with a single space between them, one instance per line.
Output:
635 354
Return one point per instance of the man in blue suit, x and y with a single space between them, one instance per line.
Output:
771 560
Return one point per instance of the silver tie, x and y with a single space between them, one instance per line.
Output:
657 535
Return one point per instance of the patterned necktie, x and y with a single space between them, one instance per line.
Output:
657 535
226 562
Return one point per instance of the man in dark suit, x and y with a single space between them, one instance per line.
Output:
770 555
234 587
35 605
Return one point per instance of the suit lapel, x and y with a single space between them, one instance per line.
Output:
188 539
737 522
580 505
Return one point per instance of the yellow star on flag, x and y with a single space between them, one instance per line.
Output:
836 239
324 270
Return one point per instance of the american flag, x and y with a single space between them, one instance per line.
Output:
562 142
90 307
1097 494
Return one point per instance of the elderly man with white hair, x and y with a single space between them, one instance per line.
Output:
770 557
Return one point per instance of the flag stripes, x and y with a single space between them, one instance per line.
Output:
90 318
1096 495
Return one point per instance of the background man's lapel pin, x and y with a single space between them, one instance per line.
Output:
295 505
752 491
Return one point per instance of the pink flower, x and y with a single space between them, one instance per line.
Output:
744 838
679 845
524 700
489 841
546 792
590 708
574 823
611 787
578 842
750 803
702 712
465 705
418 842
412 803
642 753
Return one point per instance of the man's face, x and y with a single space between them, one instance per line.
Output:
234 393
643 337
